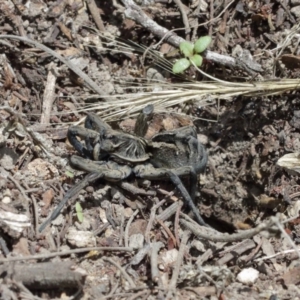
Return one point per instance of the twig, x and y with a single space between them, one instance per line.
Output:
95 14
64 253
19 187
236 251
287 236
151 220
126 235
176 224
135 13
173 282
127 277
155 247
35 210
91 84
277 254
169 232
169 212
185 19
49 95
215 236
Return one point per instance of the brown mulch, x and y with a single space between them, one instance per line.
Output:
146 247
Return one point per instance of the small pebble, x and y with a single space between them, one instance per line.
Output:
248 276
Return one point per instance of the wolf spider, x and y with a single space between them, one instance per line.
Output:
114 156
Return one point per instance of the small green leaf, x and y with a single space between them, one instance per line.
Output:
202 43
69 174
181 65
197 60
186 48
79 213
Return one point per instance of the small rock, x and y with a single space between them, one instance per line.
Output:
296 11
169 257
136 241
80 238
6 200
248 276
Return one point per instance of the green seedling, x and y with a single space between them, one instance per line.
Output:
79 213
191 54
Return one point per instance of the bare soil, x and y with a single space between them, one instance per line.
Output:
108 243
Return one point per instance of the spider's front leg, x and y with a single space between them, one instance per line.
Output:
110 171
87 134
149 172
94 130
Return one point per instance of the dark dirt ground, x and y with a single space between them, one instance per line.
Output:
124 248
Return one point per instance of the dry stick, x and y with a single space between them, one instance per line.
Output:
93 8
211 17
91 84
19 187
185 19
176 224
135 13
49 95
287 236
155 247
168 231
138 295
169 212
126 237
64 253
127 277
151 219
173 282
35 210
215 236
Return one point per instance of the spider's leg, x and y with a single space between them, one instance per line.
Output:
110 171
193 183
151 173
74 132
178 183
73 191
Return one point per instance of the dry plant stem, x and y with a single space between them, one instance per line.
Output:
49 95
277 254
185 19
168 231
126 276
64 253
169 212
176 224
236 251
138 295
155 247
35 210
215 236
151 219
287 237
19 187
135 13
91 84
126 234
95 14
173 282
253 253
